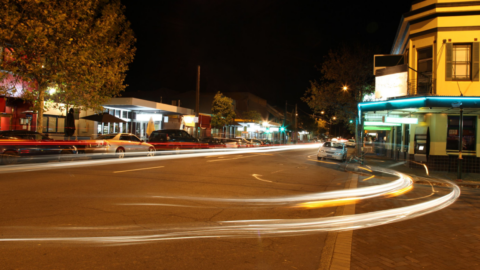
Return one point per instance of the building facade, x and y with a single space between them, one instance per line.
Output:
431 94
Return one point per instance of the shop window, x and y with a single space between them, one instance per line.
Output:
53 124
469 132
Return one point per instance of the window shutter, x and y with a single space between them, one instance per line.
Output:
475 61
448 62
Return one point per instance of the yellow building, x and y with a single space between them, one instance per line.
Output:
429 81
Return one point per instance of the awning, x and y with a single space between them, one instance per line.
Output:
135 104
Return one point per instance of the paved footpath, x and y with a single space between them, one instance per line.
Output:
446 239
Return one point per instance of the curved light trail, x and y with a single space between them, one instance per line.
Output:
127 235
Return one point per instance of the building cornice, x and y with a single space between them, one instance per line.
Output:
440 5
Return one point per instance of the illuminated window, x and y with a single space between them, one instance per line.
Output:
462 61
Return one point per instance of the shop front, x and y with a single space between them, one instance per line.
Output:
432 130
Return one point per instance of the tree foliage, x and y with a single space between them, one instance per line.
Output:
350 67
252 116
79 48
222 110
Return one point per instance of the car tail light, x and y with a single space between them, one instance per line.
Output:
25 151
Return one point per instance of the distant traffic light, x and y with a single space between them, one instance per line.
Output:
351 121
282 129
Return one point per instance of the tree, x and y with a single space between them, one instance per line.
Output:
222 110
252 115
79 48
346 78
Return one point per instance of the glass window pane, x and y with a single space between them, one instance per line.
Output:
52 124
425 53
44 123
61 125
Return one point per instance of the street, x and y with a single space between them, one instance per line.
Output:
169 214
127 198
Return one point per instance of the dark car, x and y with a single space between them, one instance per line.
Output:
213 142
171 135
30 145
174 139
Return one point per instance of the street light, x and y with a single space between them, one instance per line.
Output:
334 118
322 112
345 88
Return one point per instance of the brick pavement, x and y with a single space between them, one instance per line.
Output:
446 239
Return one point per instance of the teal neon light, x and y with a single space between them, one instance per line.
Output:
394 101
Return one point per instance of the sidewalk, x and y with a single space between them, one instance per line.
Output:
446 239
471 180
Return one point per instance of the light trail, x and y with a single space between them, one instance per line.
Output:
402 182
252 228
127 235
160 155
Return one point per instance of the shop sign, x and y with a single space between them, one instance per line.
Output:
392 85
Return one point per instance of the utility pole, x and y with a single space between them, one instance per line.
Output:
197 103
296 131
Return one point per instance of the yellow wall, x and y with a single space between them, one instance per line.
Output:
451 88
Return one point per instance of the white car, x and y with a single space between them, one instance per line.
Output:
332 150
118 144
351 143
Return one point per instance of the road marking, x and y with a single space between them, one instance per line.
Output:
139 169
366 179
323 161
258 178
277 171
336 252
226 159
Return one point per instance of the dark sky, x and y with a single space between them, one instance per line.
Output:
269 48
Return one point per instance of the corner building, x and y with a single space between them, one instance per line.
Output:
427 86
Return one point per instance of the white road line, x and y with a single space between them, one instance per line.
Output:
139 169
258 178
223 159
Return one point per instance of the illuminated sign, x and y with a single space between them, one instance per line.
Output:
165 119
146 117
381 124
402 120
376 128
392 85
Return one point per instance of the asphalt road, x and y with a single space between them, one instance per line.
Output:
138 198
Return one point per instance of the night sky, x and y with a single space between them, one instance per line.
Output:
268 48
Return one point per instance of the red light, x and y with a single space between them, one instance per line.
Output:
26 151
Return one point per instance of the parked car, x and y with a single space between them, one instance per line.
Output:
255 142
118 144
266 142
351 143
174 139
213 142
236 142
19 145
332 150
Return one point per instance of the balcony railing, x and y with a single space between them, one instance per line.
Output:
421 87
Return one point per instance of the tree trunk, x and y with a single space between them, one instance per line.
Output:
41 99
